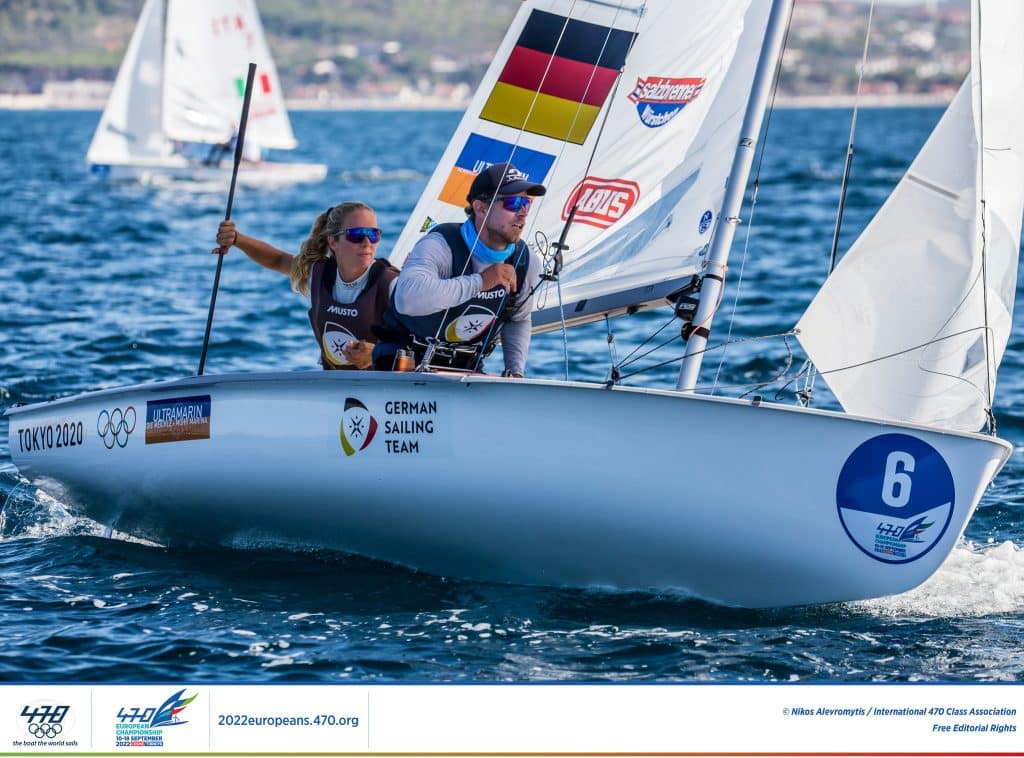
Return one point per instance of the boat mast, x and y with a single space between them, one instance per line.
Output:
714 276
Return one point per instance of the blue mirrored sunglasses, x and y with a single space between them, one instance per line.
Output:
516 203
357 234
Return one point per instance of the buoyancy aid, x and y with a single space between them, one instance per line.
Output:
334 323
467 325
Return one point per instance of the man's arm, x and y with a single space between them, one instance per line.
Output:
426 284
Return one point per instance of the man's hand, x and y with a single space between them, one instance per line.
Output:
359 353
499 274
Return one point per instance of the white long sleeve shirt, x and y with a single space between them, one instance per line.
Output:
427 285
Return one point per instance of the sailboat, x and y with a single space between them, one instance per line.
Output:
642 117
173 111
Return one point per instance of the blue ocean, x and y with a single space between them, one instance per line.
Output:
106 285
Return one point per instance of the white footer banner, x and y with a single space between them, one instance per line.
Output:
525 719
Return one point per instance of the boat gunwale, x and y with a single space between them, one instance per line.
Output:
316 375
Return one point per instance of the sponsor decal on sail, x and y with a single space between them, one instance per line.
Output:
659 99
358 427
178 419
558 77
705 221
601 202
478 153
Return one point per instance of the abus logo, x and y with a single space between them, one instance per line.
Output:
601 202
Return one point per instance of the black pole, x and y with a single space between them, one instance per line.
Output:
239 142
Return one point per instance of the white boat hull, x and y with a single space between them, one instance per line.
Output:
520 481
262 174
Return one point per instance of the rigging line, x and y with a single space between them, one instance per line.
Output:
780 375
989 347
613 372
763 148
515 146
849 145
719 346
809 382
560 245
626 361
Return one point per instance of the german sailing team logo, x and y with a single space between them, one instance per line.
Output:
143 726
473 323
334 339
601 202
659 99
895 497
115 426
358 427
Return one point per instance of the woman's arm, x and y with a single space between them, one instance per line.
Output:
263 253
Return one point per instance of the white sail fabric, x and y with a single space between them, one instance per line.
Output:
913 286
646 154
130 124
207 51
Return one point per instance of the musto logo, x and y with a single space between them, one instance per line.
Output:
601 202
659 99
895 497
115 426
358 427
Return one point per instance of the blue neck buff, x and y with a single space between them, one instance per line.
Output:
479 249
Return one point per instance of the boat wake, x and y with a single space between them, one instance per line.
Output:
976 580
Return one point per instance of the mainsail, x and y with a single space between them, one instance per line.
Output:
183 78
899 329
643 154
208 47
130 124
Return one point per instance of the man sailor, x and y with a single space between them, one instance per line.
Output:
464 284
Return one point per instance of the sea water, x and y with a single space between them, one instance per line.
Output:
109 285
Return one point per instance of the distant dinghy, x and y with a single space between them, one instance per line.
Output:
173 112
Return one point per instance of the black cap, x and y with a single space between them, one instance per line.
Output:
502 179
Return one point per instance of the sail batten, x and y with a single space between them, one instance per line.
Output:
926 293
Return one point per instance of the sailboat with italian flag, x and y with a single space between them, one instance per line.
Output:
173 112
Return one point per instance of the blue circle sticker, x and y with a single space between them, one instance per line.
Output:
705 222
895 497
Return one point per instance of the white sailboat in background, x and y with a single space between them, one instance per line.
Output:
767 504
178 94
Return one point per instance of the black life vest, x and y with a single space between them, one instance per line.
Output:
334 323
470 327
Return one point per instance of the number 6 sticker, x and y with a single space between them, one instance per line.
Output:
895 497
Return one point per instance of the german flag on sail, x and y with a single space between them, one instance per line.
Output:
558 76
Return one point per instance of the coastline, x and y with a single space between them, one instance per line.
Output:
45 101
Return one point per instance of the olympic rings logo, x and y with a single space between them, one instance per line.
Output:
115 426
44 731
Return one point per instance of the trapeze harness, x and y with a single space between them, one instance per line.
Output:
465 331
334 323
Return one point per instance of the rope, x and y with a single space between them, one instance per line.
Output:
809 383
763 147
